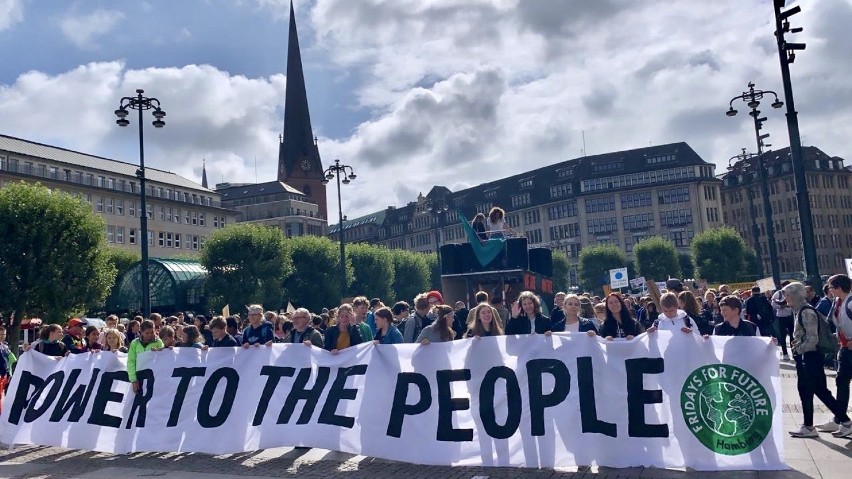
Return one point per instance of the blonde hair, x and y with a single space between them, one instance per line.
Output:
110 332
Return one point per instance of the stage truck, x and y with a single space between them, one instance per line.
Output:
514 269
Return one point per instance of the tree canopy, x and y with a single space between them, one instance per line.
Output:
315 284
561 267
246 264
53 255
595 263
719 255
373 271
656 258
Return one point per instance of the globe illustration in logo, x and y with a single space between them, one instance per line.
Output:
726 409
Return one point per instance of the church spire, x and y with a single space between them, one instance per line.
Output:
204 173
297 148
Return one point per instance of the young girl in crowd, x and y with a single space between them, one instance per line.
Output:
192 338
442 329
485 322
496 222
168 337
50 341
92 334
619 323
113 341
133 329
386 332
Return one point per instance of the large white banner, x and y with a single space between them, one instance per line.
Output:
535 401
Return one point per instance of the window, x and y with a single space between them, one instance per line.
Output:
119 207
525 183
119 234
101 181
520 200
561 191
681 239
674 195
597 205
169 215
602 225
200 219
532 217
675 217
99 204
533 236
110 234
169 240
110 206
565 173
111 183
640 221
634 179
490 193
614 166
564 210
131 236
655 160
571 230
483 208
162 213
131 208
194 218
162 239
635 200
150 238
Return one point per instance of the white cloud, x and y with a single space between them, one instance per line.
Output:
11 12
229 120
83 30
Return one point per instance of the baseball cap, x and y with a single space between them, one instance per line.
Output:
76 322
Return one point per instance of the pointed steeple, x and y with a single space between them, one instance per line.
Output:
204 173
297 149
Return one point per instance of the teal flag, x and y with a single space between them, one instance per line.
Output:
485 251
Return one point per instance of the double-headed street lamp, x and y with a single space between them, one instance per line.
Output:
338 170
787 55
142 103
438 208
752 98
742 161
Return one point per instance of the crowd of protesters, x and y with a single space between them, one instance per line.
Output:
793 312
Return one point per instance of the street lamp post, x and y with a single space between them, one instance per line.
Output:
437 208
752 99
742 158
787 55
337 170
142 103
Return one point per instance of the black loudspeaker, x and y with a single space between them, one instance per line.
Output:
450 260
515 254
541 261
467 260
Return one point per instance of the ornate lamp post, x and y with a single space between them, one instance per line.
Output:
787 55
142 103
742 161
437 208
752 99
337 170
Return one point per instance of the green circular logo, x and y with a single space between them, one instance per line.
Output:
726 409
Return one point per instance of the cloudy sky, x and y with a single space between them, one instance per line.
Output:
414 93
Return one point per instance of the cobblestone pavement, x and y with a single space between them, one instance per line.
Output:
825 457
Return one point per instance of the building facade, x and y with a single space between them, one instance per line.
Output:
616 198
181 213
273 204
828 184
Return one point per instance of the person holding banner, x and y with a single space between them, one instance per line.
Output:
485 322
346 333
619 323
302 331
258 331
526 316
573 323
219 331
673 319
732 323
147 341
386 332
441 330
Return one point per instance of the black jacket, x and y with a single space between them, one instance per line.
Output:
226 342
759 311
521 325
585 326
332 333
610 328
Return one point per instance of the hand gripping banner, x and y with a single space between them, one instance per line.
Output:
659 400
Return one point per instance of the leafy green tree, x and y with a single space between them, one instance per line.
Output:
246 264
656 258
411 275
595 263
719 255
434 271
373 271
315 284
687 268
561 266
751 268
122 259
53 256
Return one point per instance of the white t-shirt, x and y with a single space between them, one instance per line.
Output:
572 327
498 225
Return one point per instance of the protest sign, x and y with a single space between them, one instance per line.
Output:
659 400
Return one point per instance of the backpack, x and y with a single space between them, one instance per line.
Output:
827 343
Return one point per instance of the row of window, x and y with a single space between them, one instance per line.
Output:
115 234
642 178
100 181
113 206
598 205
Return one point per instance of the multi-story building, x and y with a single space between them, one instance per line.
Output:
617 198
181 213
273 204
828 184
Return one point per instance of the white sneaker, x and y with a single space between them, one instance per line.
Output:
785 357
805 431
844 430
830 426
